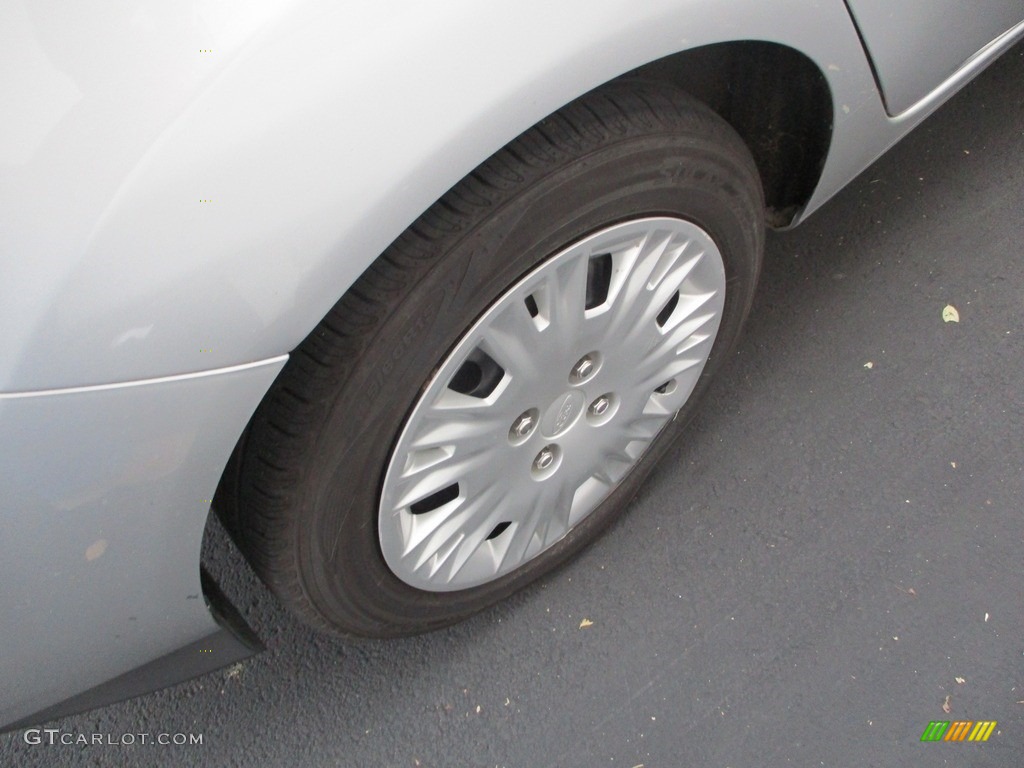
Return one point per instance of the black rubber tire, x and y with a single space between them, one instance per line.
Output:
310 470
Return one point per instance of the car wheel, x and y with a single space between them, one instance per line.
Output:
489 395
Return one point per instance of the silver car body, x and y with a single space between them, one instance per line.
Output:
187 188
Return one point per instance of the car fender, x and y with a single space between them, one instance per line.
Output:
218 192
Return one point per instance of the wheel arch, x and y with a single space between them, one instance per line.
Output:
778 101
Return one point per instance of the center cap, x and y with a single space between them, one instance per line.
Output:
562 413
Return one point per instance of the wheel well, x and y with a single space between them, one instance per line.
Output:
775 98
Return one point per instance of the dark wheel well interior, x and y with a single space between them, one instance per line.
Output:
775 98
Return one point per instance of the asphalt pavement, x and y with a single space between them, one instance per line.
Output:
828 561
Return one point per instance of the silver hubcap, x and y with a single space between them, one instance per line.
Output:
548 400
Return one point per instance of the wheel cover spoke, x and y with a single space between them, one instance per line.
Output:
548 401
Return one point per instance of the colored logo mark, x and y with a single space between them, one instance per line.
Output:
959 730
